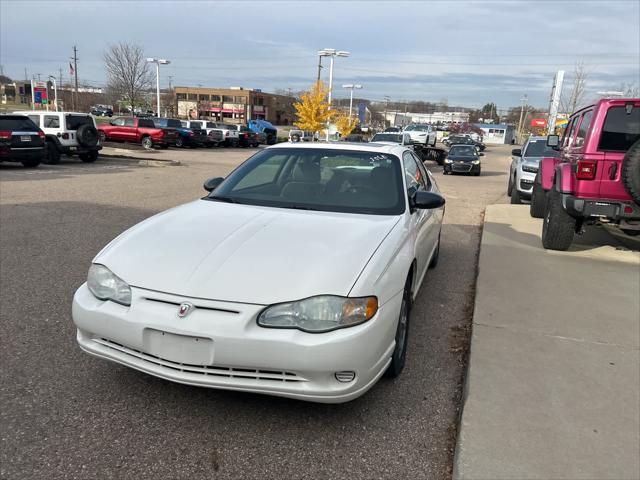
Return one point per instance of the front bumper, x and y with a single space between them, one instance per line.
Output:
461 167
524 182
233 352
612 210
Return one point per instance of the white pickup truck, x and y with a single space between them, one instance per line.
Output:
231 134
422 134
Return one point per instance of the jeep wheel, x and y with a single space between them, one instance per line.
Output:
516 199
399 355
536 209
53 154
87 135
631 172
89 157
558 226
147 143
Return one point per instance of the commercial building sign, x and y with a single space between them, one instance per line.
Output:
538 122
40 93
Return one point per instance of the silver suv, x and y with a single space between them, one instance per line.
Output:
524 166
67 133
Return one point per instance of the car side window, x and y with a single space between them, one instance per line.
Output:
568 134
423 171
51 121
415 178
129 122
582 130
35 119
118 122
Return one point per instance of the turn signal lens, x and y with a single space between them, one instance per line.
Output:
5 134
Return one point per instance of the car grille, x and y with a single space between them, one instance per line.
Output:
526 184
210 370
461 167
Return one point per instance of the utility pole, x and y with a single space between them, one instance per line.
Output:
26 76
75 73
520 125
386 107
319 67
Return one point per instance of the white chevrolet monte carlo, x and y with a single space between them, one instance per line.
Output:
293 277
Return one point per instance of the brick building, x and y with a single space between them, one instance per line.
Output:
234 105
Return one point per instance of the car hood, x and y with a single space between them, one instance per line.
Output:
532 160
246 254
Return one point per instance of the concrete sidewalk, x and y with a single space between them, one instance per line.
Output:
553 388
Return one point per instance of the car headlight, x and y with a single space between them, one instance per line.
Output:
476 162
529 168
319 314
106 285
446 160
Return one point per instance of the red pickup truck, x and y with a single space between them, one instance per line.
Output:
137 130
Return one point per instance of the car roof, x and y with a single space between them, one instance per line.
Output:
393 149
45 112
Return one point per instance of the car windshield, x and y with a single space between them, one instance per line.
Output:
74 121
463 151
539 148
387 137
621 129
211 125
16 124
332 180
417 128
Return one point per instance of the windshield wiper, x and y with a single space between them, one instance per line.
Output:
300 207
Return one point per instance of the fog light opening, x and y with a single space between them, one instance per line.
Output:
345 377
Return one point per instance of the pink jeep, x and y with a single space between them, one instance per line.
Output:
596 178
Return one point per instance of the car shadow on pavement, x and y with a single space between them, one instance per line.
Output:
65 169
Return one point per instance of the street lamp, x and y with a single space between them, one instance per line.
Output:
351 87
158 62
332 53
55 91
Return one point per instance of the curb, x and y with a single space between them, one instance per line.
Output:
149 162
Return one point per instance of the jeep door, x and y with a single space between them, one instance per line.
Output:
578 151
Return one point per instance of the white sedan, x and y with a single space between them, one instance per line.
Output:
294 276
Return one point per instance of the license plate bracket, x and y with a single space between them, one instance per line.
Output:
25 138
184 349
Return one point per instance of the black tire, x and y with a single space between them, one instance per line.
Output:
538 199
53 154
510 186
558 226
179 142
631 172
31 163
516 199
87 136
477 174
89 157
399 355
147 143
436 255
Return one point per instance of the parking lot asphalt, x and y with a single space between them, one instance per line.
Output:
67 415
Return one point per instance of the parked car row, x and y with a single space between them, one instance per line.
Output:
589 176
165 132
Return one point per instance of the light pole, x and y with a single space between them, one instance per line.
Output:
55 91
158 62
351 87
332 53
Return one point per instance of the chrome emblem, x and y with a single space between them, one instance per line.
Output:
184 309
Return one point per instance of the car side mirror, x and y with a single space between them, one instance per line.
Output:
553 141
481 154
427 200
516 152
211 184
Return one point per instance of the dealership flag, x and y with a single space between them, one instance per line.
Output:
70 69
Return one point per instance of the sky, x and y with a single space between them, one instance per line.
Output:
465 52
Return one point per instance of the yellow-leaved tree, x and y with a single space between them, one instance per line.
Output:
313 109
344 123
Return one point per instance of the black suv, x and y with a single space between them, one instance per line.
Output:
21 141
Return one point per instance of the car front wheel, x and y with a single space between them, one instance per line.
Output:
516 199
399 355
147 143
558 226
536 209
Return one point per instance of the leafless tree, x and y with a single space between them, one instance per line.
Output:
127 71
568 104
630 90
